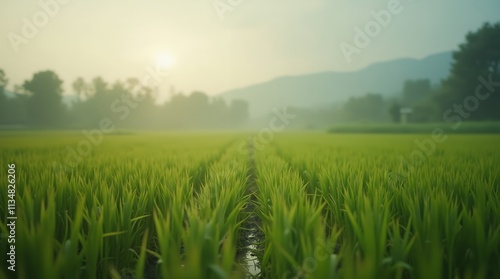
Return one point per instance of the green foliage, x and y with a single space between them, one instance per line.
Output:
416 128
475 63
328 206
370 107
44 106
416 91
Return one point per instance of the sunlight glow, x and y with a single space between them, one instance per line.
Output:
165 61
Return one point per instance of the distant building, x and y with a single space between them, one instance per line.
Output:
405 113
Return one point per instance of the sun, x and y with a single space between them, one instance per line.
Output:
165 61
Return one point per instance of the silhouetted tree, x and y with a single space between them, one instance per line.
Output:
416 91
3 99
146 115
80 88
127 104
99 86
12 109
423 112
45 108
132 83
96 106
370 107
3 81
175 112
476 63
239 112
395 112
219 113
17 110
197 110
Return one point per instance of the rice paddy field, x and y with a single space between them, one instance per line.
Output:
302 205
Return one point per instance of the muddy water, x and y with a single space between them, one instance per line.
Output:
251 260
252 237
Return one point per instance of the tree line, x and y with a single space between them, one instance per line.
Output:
38 103
471 91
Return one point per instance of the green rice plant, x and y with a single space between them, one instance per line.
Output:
95 216
328 206
435 199
292 224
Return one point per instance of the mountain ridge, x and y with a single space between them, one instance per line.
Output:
313 89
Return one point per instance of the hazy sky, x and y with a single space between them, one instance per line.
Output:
256 41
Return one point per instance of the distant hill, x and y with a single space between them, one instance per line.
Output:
318 89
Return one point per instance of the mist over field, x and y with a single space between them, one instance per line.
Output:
229 65
250 139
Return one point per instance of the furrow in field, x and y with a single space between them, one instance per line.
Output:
250 235
213 222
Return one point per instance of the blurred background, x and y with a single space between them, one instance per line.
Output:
226 65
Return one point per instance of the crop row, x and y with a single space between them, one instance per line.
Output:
439 219
178 206
140 206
